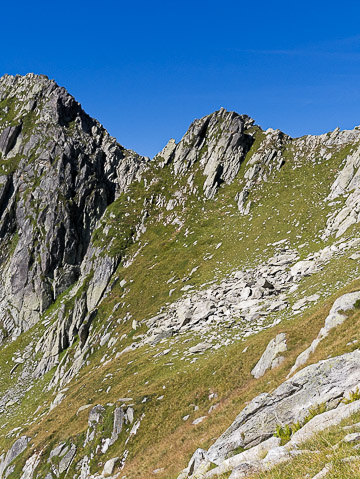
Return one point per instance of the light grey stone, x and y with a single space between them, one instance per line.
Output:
105 339
58 399
302 302
324 381
167 152
354 437
96 414
199 348
109 466
304 268
198 420
85 468
277 455
246 293
30 465
324 472
246 469
202 311
251 455
15 450
270 359
65 462
118 424
199 457
257 292
184 314
283 259
83 408
265 283
334 318
56 451
129 415
323 421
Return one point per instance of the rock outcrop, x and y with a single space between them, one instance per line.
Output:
218 142
15 450
271 356
346 185
267 159
335 318
60 170
105 254
327 382
323 382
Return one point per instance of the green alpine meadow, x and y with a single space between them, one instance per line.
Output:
191 315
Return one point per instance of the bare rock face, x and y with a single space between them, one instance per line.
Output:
335 317
62 241
8 138
324 382
17 448
347 185
271 356
60 170
267 158
218 142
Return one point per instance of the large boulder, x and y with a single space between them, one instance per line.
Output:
271 356
16 449
334 318
324 382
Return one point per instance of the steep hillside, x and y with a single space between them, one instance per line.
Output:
205 300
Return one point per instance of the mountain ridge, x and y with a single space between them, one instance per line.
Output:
151 275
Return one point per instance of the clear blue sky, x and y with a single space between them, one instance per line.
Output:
145 70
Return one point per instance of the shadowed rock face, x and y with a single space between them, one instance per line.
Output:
219 142
59 171
8 138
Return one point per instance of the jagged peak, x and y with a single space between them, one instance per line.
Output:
222 117
30 85
219 142
29 77
197 281
43 99
37 97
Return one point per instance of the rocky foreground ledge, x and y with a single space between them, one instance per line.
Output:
323 386
117 271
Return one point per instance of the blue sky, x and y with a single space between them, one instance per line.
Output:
145 70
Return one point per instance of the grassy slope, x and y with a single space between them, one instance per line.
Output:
164 439
323 449
326 448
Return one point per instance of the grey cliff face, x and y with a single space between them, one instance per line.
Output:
168 263
219 142
59 171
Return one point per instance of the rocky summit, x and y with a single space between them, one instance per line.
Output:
193 315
